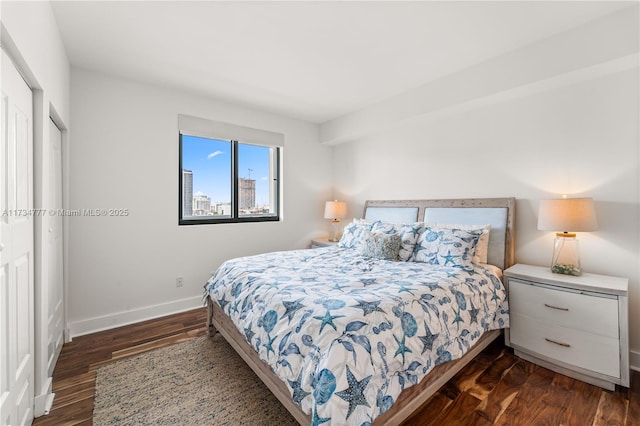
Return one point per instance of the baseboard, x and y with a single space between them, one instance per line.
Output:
118 319
42 403
634 360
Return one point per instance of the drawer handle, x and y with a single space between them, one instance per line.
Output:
565 345
555 307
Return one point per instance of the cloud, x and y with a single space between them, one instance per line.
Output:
214 154
265 178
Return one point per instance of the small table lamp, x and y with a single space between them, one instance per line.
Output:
569 215
335 210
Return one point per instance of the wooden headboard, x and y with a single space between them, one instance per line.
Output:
498 212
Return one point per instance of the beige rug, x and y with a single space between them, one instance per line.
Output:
199 382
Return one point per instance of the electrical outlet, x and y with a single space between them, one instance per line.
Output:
179 282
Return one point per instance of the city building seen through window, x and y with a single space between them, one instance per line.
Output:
225 181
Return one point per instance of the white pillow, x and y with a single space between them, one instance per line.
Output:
482 248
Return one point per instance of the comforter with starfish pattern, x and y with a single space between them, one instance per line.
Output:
348 333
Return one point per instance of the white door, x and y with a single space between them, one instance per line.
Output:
16 255
54 243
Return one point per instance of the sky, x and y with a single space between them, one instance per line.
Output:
210 162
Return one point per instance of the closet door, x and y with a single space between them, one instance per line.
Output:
16 248
55 321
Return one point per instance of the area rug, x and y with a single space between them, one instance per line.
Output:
199 382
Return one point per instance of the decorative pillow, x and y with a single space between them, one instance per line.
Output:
482 249
408 232
380 246
447 247
353 233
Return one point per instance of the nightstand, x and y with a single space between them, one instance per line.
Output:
322 242
576 326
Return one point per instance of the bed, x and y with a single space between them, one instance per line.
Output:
352 335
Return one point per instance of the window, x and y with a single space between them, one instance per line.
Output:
227 180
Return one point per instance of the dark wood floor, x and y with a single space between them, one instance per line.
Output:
495 388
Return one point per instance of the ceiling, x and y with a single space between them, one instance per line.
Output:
314 61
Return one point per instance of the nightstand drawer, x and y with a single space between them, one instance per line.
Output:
581 312
573 347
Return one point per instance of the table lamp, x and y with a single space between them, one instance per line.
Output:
566 216
335 210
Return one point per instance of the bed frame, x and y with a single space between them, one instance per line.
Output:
499 212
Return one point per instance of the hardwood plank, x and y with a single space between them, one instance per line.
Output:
503 393
555 400
463 380
492 375
466 378
79 394
149 346
61 386
458 413
436 404
612 409
474 418
74 414
633 416
582 403
527 402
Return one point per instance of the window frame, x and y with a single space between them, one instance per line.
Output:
235 187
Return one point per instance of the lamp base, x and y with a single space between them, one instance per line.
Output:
566 257
335 231
566 269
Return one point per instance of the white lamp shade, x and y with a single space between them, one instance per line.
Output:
567 215
335 210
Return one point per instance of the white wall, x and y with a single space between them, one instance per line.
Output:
562 130
33 39
125 155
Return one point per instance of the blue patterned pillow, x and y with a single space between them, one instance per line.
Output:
353 233
482 249
380 246
408 232
447 247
